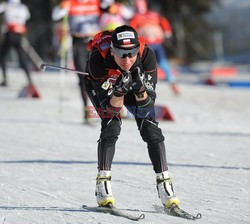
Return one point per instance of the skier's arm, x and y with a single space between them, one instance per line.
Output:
144 81
27 13
97 71
108 101
150 68
166 27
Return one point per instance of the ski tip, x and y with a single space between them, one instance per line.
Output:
198 216
142 216
175 210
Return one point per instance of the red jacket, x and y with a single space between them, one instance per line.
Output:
87 7
152 26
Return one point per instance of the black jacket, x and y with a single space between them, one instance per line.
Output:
99 67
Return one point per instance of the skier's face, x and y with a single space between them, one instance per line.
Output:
141 6
126 60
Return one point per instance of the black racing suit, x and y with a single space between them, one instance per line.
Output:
12 39
98 66
80 56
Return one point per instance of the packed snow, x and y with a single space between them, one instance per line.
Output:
48 161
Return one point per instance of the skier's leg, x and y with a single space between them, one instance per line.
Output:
110 131
23 59
106 147
6 44
162 60
80 55
106 150
152 135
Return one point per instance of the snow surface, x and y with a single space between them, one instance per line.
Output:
48 158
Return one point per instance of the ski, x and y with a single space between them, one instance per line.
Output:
175 210
113 211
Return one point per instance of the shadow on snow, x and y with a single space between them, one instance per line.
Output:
59 209
27 208
125 163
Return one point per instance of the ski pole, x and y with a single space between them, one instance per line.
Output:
44 66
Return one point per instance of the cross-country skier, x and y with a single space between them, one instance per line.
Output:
83 20
123 72
155 29
15 15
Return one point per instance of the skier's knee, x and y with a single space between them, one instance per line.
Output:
111 132
151 133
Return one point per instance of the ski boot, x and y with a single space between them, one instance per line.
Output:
165 190
175 88
103 191
3 83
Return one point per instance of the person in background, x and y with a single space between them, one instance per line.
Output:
114 14
123 72
155 29
15 15
83 20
